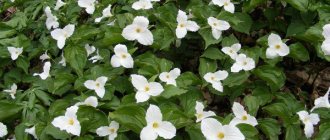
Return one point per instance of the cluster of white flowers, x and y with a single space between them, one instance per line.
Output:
325 47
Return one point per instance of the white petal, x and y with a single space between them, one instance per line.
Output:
164 76
59 4
14 52
309 130
31 131
69 29
128 62
91 101
230 7
148 133
175 73
325 47
238 110
153 114
210 128
142 4
233 133
218 86
3 129
236 47
284 50
75 128
60 122
192 26
141 97
97 20
250 64
326 31
129 32
114 124
155 89
208 77
115 61
271 53
221 75
274 39
61 43
251 120
71 111
120 48
166 130
89 49
180 32
302 115
314 118
223 25
235 68
90 84
218 2
182 16
216 33
100 91
235 121
145 38
103 131
139 82
102 80
141 21
199 107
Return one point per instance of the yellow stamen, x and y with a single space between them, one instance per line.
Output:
123 56
181 25
278 46
146 88
138 30
199 116
244 118
71 122
155 125
112 130
221 135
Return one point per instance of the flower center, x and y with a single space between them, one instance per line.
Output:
244 118
215 24
231 51
71 121
16 52
146 88
138 30
97 84
244 63
112 130
221 135
226 4
305 120
199 116
212 78
168 76
66 35
278 46
181 25
155 125
123 56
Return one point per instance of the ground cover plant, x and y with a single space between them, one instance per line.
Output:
165 69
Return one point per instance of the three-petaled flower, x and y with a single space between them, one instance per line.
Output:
144 88
139 31
110 131
60 35
122 57
242 62
69 121
227 5
232 51
217 26
276 47
309 120
169 77
88 4
45 73
105 13
214 130
215 79
12 91
241 116
15 52
200 113
184 25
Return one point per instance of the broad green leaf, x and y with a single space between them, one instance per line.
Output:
301 5
76 56
299 52
213 53
206 65
23 63
270 127
248 130
91 118
236 78
171 91
9 110
206 33
130 116
274 76
324 131
245 25
187 79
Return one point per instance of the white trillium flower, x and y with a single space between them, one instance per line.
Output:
276 47
200 113
242 62
139 31
184 25
62 61
325 47
169 77
156 126
88 4
59 4
227 5
309 120
31 131
105 13
217 26
89 49
12 91
110 130
121 57
144 88
215 79
62 34
143 4
232 51
97 85
69 121
241 116
14 52
322 101
214 130
45 72
90 101
3 130
44 56
51 21
96 58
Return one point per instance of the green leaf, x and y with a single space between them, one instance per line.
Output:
301 5
163 37
324 132
188 101
206 65
23 63
213 53
187 79
252 103
278 109
91 118
55 132
76 56
250 5
170 91
194 132
293 132
130 116
274 76
245 25
248 130
236 78
171 112
44 97
8 110
206 33
229 40
6 31
299 52
270 127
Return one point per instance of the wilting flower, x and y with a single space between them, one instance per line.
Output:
88 4
139 31
110 130
322 101
227 5
242 62
62 61
3 130
241 116
105 13
217 26
309 120
200 113
156 126
122 57
143 4
184 25
51 21
12 91
14 52
325 47
45 72
214 130
215 79
144 88
96 57
62 34
44 56
97 85
169 77
69 121
59 4
89 49
232 51
276 47
31 131
90 101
